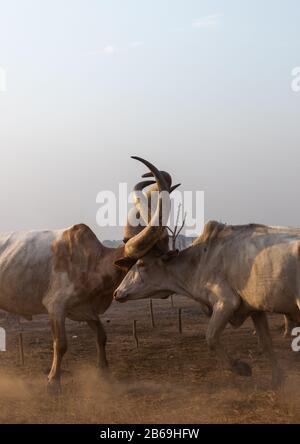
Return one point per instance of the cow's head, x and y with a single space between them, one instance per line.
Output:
149 277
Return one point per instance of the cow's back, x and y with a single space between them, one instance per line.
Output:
263 265
25 270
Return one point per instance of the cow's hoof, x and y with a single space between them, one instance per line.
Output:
54 388
241 368
278 379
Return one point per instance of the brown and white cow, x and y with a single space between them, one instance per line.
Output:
69 273
235 272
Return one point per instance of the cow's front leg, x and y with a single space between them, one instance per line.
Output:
289 324
101 339
223 310
57 320
262 328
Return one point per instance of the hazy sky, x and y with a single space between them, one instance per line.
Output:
201 88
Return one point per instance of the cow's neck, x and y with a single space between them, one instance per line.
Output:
106 278
108 268
187 271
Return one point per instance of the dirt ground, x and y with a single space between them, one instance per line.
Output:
170 378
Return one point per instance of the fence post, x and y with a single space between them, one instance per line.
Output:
134 332
21 345
172 301
21 348
151 313
179 321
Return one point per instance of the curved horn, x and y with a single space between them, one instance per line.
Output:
166 175
173 187
138 212
140 244
159 176
141 185
140 200
137 190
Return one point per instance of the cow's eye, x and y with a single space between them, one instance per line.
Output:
141 263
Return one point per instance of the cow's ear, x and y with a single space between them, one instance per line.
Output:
125 263
170 254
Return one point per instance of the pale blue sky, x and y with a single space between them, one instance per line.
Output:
201 88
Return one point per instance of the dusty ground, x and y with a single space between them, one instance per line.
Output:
169 378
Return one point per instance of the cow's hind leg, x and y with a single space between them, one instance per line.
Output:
262 328
223 311
57 320
101 339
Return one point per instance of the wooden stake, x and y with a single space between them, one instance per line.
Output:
21 348
179 321
151 313
172 302
135 334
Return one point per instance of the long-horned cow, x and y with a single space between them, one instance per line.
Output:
234 272
69 273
